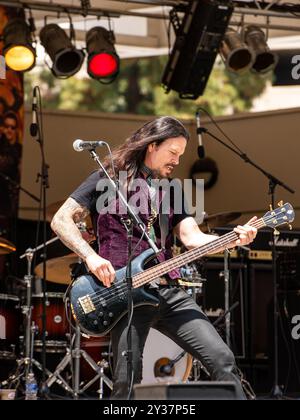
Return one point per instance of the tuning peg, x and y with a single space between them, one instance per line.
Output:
271 207
276 232
280 204
290 227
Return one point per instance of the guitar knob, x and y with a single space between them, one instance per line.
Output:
101 314
105 323
110 314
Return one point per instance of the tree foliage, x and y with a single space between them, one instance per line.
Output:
138 90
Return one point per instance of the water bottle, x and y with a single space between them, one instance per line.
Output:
31 388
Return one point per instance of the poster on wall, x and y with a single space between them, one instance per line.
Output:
11 136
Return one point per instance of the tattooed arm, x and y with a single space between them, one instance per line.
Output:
64 225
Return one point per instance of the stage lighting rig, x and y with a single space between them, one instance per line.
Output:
197 44
237 56
66 58
265 60
18 51
103 61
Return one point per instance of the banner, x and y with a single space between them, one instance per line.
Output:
11 136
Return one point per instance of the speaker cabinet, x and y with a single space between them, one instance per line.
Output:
213 301
261 297
191 391
288 342
262 340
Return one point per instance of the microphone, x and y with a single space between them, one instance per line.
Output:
80 145
201 151
167 368
33 126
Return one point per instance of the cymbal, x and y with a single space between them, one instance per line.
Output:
6 247
218 220
58 269
54 207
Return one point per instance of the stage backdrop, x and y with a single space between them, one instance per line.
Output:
11 135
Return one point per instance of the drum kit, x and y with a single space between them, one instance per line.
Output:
86 358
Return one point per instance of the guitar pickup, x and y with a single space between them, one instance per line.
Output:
87 304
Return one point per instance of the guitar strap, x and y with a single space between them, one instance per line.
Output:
163 218
164 228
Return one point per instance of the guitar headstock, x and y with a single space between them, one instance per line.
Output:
284 214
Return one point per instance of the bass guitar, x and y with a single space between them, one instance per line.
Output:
97 309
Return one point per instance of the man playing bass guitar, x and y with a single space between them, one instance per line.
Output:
150 153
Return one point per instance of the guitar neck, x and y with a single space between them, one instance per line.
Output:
212 247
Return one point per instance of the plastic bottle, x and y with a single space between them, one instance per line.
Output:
31 388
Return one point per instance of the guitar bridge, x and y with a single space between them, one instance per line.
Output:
87 304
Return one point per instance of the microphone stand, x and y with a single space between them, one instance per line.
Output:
14 187
37 131
276 392
131 219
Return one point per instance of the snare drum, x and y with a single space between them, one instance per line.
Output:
56 320
10 321
159 352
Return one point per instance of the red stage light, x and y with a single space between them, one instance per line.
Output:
103 61
103 65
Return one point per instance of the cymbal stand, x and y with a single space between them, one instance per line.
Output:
27 311
74 356
26 362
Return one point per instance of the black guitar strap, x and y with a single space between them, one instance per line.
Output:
163 218
164 228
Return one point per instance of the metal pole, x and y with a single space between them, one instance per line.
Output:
227 296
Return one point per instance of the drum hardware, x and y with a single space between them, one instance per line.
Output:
26 362
74 353
103 364
58 271
73 356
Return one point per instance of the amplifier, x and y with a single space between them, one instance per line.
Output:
286 240
251 284
212 301
287 253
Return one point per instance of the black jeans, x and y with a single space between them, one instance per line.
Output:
180 318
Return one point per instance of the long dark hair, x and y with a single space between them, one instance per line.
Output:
131 154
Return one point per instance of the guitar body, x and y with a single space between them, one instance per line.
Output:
97 308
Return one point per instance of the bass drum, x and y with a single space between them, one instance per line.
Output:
164 360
